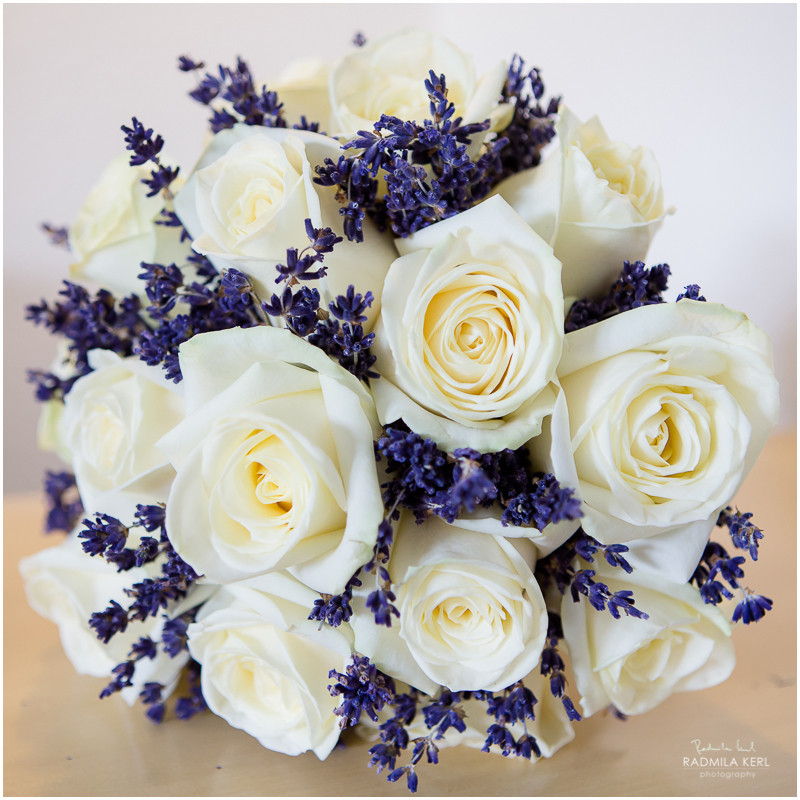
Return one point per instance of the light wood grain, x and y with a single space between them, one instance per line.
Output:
60 740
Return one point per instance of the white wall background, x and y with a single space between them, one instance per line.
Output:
710 88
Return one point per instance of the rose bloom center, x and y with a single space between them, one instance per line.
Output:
470 336
256 204
669 433
269 471
105 435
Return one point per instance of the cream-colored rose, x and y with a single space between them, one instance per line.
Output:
388 76
666 409
247 200
635 664
598 202
471 613
116 230
66 586
471 331
49 430
275 461
110 424
265 665
302 88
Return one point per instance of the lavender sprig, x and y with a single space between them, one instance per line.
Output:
334 609
173 642
107 536
716 562
206 313
718 574
245 102
562 569
471 486
186 64
552 665
431 481
171 220
59 236
193 703
751 608
395 149
381 601
144 648
149 597
393 734
66 507
224 301
87 322
174 637
346 343
602 598
152 696
532 125
514 705
426 480
440 715
230 300
145 148
337 332
356 190
636 286
363 688
691 292
548 503
300 266
744 533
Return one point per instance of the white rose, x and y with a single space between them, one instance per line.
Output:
635 664
667 408
66 586
265 665
471 331
303 90
471 613
597 201
49 430
110 424
247 200
275 461
116 230
388 76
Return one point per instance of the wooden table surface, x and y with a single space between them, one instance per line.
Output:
60 740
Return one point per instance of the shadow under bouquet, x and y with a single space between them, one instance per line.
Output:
378 418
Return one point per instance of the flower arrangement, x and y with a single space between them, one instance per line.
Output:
378 420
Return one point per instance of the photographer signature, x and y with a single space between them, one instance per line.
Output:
740 748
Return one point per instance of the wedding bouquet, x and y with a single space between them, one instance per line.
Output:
378 419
